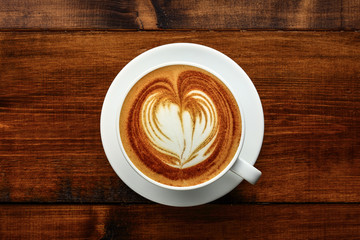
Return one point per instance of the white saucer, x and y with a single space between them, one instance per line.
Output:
242 87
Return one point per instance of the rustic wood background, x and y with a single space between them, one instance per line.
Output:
58 58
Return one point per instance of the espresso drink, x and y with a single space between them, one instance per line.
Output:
180 125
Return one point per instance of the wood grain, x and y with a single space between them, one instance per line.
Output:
274 14
52 85
65 14
189 14
310 221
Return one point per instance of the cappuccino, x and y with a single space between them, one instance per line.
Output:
180 125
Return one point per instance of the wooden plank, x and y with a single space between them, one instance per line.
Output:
43 14
207 14
53 84
204 14
304 221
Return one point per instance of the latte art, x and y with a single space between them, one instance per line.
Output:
185 130
180 125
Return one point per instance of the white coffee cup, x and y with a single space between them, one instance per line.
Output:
237 165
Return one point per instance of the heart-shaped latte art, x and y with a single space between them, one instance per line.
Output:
183 129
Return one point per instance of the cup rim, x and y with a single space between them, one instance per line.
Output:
192 187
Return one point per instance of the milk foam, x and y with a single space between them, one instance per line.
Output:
185 131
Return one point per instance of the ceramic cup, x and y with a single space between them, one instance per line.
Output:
237 165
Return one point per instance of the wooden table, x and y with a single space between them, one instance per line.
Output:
58 58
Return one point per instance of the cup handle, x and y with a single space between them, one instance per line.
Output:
246 171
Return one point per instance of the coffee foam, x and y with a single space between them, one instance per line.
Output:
180 125
181 133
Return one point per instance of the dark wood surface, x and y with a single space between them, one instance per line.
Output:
53 86
186 14
245 221
58 58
